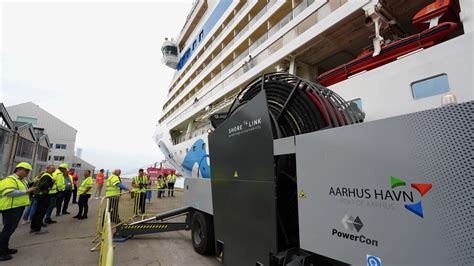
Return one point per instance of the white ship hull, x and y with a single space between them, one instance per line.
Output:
382 92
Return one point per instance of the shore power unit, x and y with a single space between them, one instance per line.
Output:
396 191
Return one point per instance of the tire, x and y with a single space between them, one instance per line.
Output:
202 233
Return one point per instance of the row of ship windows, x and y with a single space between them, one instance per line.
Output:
194 148
209 44
294 12
190 136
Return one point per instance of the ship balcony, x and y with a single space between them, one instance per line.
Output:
250 53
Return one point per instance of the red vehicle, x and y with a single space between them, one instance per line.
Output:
154 172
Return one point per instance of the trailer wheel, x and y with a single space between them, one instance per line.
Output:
202 233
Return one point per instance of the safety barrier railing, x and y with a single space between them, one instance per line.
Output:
100 220
104 209
134 206
107 250
125 208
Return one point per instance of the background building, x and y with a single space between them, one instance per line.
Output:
21 142
42 150
6 136
62 137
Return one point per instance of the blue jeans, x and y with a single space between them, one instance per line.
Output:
51 206
30 210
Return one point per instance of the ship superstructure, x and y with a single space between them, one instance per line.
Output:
390 57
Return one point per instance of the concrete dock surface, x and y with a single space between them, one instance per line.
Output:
69 242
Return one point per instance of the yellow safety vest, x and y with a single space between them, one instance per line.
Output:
54 188
9 184
140 181
171 178
160 183
111 186
88 182
60 184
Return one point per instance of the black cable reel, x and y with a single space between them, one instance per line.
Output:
296 106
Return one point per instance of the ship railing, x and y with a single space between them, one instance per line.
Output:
210 48
245 67
218 40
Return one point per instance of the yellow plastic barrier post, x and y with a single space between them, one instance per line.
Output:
107 249
100 223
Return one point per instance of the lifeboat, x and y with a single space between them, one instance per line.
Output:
169 49
437 12
436 33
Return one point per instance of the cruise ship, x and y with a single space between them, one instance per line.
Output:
390 57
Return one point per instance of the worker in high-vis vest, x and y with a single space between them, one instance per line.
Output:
139 184
160 186
14 192
171 179
43 184
84 192
65 186
113 185
58 179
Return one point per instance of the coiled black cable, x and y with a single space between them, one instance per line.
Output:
296 106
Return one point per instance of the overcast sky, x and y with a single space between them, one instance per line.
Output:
95 65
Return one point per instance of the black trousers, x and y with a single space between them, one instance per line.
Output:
113 209
11 218
74 195
59 202
66 198
83 205
42 207
161 192
171 189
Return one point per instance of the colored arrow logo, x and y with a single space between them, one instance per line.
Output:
416 208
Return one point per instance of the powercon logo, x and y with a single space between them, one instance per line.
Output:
353 224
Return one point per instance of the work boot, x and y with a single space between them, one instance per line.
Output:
77 216
66 212
82 217
49 221
4 257
12 251
41 231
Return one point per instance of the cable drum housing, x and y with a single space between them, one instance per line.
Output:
299 106
296 106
